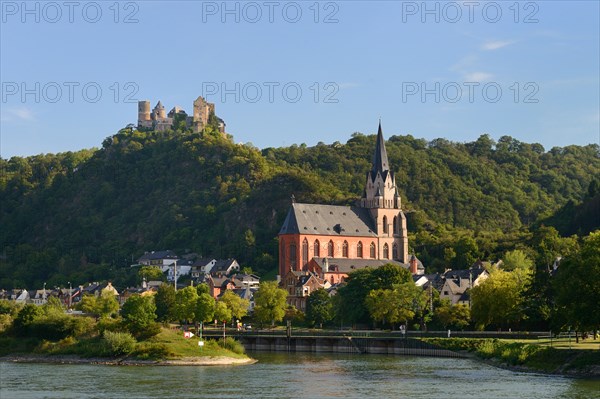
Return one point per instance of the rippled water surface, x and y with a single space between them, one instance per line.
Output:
292 376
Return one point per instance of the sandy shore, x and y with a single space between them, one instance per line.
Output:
184 361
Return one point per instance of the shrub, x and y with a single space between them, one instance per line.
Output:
118 343
26 316
110 324
5 322
152 350
9 307
57 326
56 347
232 345
146 332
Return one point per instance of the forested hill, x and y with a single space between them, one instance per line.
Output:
85 215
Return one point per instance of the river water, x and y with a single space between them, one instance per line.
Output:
292 376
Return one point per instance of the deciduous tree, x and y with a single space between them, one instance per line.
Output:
319 308
270 303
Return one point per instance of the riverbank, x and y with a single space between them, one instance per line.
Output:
527 357
169 347
186 361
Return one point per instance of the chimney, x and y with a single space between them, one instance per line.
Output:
413 266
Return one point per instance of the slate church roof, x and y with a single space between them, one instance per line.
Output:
345 265
329 220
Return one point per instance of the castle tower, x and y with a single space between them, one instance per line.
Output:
143 110
381 198
202 110
144 118
159 111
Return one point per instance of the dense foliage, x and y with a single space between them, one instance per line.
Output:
85 216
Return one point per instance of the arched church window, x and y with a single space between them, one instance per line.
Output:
305 251
293 254
395 224
386 251
345 249
330 249
385 225
372 250
359 250
395 251
317 248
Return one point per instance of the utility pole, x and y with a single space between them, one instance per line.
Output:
70 288
175 274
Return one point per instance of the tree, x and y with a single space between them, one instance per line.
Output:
165 303
319 308
461 316
499 299
205 308
576 284
454 316
53 306
517 259
222 312
351 306
185 304
105 305
202 288
25 318
399 304
467 252
139 315
270 303
384 306
237 305
151 273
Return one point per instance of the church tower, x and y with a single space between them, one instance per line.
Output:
381 198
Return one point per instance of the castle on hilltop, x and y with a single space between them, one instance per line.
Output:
159 120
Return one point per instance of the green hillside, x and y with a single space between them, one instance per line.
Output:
85 215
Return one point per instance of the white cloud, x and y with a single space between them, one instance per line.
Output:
16 114
496 44
477 76
465 62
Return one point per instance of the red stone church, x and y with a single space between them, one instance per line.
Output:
332 241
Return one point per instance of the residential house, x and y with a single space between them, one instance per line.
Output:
299 286
157 258
183 267
219 284
201 267
456 283
225 267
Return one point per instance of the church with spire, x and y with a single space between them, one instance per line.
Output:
330 241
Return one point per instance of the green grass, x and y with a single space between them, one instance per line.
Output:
526 353
188 347
168 344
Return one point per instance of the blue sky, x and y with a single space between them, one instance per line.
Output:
301 72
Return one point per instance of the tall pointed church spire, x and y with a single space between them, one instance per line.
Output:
380 158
